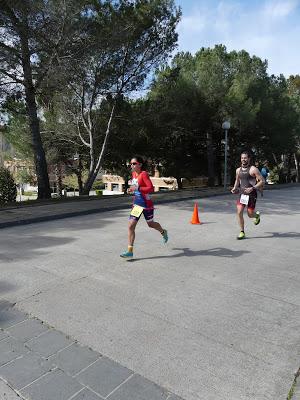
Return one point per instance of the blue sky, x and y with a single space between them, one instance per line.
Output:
269 29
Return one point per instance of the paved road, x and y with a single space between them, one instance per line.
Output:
206 317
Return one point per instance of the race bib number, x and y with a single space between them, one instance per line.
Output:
244 199
136 211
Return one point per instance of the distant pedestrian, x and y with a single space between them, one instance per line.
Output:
265 171
248 180
140 187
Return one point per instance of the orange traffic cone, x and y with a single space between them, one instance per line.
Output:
195 218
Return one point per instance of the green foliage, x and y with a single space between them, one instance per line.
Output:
98 185
87 56
176 115
93 52
274 175
17 131
8 190
24 176
190 99
70 182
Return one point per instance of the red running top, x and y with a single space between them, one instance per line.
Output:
144 185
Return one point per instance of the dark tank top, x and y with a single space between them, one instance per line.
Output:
246 180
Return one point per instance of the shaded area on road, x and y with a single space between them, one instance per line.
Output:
6 286
29 246
280 235
187 252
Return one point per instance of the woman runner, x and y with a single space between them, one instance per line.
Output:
140 187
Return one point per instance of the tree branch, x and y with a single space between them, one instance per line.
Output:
81 138
16 21
105 138
53 55
10 49
11 76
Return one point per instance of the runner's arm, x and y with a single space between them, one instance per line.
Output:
146 184
260 181
236 183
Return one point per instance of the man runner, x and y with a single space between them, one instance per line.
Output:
248 180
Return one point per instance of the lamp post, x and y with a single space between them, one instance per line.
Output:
226 127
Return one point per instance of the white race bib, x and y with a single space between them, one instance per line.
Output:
244 199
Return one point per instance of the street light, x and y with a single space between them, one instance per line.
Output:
226 127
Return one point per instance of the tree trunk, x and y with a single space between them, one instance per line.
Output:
94 172
40 162
179 181
210 160
219 164
79 176
126 185
89 182
58 175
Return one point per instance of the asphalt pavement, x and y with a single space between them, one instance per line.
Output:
203 317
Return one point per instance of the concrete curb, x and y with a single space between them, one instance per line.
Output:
294 393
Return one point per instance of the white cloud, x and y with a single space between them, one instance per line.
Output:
192 23
280 9
269 30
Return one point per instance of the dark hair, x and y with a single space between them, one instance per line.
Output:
250 155
141 161
247 153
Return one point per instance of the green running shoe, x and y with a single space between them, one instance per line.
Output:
165 236
127 254
257 218
241 235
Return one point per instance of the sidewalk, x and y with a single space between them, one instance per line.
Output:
38 362
32 213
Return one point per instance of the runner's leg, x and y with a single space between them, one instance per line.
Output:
240 215
131 231
251 210
131 237
149 214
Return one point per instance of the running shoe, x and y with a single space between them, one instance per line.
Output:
165 236
127 254
241 235
257 218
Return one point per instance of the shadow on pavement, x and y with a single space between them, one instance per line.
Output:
288 235
13 247
186 252
4 305
6 287
80 222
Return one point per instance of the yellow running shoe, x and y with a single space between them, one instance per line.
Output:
241 235
257 218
